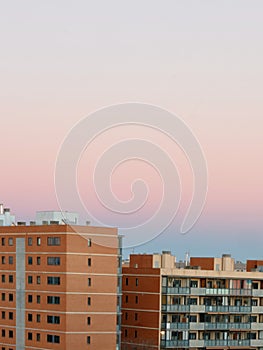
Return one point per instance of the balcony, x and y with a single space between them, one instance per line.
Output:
174 343
197 291
257 342
175 290
257 292
175 325
196 326
226 291
257 309
211 343
196 343
229 326
256 326
178 308
197 308
231 309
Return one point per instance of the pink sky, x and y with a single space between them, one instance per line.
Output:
201 60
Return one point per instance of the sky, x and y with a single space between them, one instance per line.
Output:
61 61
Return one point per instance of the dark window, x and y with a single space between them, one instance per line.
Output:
11 316
30 260
29 336
53 260
3 278
3 241
30 279
30 317
30 241
10 297
126 298
3 315
3 296
136 299
38 299
30 298
89 281
89 261
53 319
135 334
53 338
53 299
136 316
126 281
38 317
3 260
53 280
38 337
3 332
126 316
89 300
137 282
11 278
125 333
88 321
10 260
88 339
53 241
38 260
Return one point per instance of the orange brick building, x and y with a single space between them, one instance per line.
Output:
60 287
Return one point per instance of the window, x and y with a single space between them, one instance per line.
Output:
89 281
89 242
125 333
29 335
38 337
10 297
11 316
192 336
3 297
38 280
30 260
30 279
3 332
3 315
30 298
38 241
11 334
53 241
3 240
30 241
3 260
136 299
30 317
89 300
10 241
53 299
53 319
10 260
126 298
53 260
38 299
136 316
53 280
3 278
88 321
38 260
53 338
126 281
38 318
136 282
10 278
88 339
126 316
135 334
89 261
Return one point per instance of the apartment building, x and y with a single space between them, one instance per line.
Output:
60 287
206 305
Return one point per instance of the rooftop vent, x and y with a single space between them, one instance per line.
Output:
21 223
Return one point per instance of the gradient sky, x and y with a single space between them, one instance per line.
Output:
201 60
